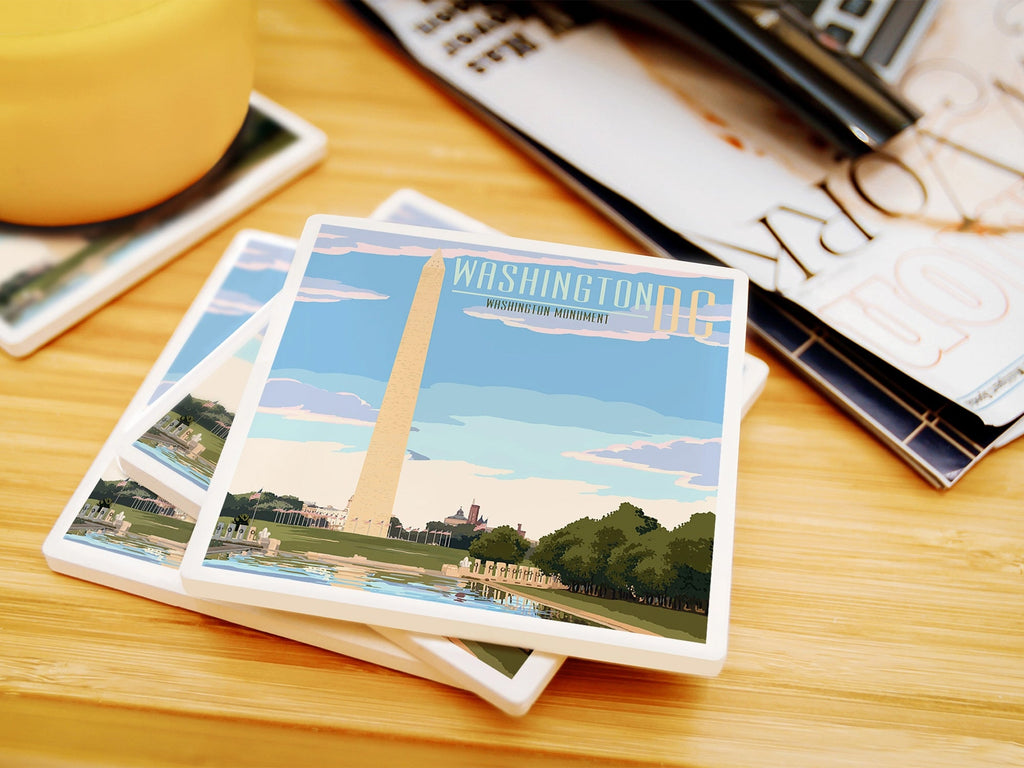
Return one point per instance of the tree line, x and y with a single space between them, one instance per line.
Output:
107 491
243 507
502 544
627 555
206 416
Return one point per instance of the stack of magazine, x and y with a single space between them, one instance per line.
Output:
893 282
414 441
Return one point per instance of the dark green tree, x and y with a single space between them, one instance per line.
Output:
690 553
653 573
260 508
627 555
288 501
236 504
580 562
625 526
203 412
549 554
620 572
503 544
462 536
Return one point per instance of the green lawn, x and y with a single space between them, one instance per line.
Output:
152 524
503 658
664 621
300 539
681 625
214 444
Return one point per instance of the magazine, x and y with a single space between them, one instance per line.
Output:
941 423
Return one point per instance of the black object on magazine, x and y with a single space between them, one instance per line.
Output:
937 437
779 49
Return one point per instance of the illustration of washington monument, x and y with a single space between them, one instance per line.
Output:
370 510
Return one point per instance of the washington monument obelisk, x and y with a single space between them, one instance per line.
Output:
370 510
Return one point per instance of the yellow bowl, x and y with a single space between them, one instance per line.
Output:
108 107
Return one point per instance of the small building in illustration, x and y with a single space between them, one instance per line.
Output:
292 517
473 518
156 505
195 446
459 518
501 573
522 534
182 433
335 517
93 515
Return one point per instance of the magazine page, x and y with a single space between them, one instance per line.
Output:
912 252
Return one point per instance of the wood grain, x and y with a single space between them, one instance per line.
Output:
875 621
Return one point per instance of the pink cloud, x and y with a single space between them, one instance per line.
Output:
324 291
631 326
524 322
233 303
647 264
694 461
259 261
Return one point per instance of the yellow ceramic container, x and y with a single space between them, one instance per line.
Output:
108 107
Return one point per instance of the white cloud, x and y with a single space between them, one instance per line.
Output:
432 490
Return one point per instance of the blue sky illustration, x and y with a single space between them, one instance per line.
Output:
630 412
257 275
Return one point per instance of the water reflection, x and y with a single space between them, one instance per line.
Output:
431 588
138 546
184 466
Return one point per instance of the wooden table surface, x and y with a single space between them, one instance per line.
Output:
875 621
